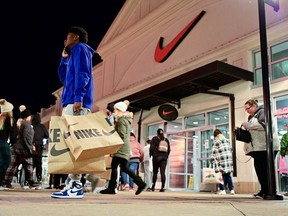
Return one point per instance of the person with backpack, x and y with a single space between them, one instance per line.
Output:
160 154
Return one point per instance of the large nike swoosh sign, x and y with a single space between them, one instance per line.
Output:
161 54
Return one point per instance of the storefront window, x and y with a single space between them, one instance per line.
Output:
173 126
220 118
152 129
195 121
278 62
281 113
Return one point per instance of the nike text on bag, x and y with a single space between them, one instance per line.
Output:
163 146
90 136
60 158
210 176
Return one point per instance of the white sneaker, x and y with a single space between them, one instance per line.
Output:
232 192
221 192
74 192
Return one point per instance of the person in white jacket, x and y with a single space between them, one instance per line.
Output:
147 164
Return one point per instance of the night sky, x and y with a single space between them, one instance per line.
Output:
32 34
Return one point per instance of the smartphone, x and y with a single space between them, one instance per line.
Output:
67 50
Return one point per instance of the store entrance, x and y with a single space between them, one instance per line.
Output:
189 154
205 149
180 166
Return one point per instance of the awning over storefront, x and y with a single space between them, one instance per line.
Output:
201 80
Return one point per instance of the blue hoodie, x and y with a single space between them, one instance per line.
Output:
75 73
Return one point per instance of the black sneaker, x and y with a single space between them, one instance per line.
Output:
107 191
140 188
258 195
35 186
162 190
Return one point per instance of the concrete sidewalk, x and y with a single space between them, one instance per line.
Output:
124 203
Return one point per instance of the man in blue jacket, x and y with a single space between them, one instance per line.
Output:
75 73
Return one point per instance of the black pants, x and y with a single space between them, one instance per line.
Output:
37 162
116 161
58 180
159 162
260 166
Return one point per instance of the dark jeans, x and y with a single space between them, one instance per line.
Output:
116 161
227 179
159 162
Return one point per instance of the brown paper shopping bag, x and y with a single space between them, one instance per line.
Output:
90 136
60 158
106 175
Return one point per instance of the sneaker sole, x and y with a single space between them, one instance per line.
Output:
9 189
36 188
257 196
67 197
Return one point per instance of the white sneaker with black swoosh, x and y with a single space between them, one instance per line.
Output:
75 191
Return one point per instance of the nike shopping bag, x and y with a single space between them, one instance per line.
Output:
60 158
90 136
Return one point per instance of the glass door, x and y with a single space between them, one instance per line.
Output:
204 152
181 174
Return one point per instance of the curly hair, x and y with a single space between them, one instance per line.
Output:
83 35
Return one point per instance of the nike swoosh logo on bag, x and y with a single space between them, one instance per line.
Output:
54 152
108 133
161 54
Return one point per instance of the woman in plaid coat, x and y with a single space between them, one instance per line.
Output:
222 154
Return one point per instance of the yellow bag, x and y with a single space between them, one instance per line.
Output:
60 158
90 136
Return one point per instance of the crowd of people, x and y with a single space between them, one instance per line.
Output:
21 141
21 144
